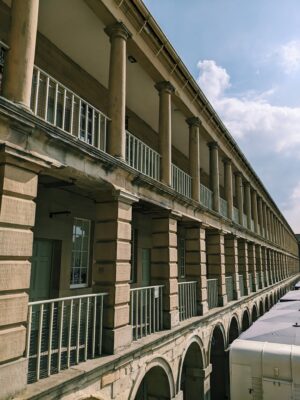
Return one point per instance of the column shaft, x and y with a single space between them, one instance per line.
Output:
214 175
18 69
243 263
240 197
254 210
228 187
194 155
248 204
232 263
252 266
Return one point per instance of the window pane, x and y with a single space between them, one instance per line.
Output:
80 251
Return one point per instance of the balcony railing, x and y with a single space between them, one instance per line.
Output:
63 332
60 107
181 181
258 280
236 215
252 225
187 292
212 293
146 311
250 277
229 287
245 221
223 207
141 157
206 196
242 286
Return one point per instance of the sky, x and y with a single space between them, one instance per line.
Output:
245 56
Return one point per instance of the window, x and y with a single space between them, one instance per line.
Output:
2 58
80 252
181 255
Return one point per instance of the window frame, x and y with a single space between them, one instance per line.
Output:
82 285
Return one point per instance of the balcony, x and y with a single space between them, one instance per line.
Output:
206 196
141 157
63 332
146 311
245 222
181 182
250 275
187 293
235 215
212 293
241 285
223 207
60 107
229 287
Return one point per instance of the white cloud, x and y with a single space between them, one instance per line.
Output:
250 113
289 56
252 118
292 209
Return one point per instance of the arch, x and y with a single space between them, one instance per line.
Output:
245 320
219 388
233 329
254 313
190 380
155 370
267 304
271 303
261 307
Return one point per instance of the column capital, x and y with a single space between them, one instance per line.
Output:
227 160
118 29
238 173
165 86
213 145
194 121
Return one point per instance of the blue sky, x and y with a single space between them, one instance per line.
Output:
245 56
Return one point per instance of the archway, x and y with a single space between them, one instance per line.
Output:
218 377
267 304
271 300
191 380
154 386
261 308
245 321
233 334
254 313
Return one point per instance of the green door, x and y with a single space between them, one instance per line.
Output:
146 259
41 266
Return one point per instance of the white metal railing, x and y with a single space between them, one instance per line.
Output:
229 287
252 225
187 293
141 157
212 293
236 215
250 277
146 310
242 286
223 207
60 107
206 196
63 332
181 181
245 221
258 280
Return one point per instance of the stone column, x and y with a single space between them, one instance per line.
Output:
194 155
280 266
248 203
252 265
228 186
232 263
265 220
216 261
18 189
259 267
270 266
164 270
111 270
243 263
18 69
254 210
196 263
270 237
214 174
265 268
240 196
118 34
205 375
165 130
260 215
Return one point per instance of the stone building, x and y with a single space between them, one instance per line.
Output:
136 240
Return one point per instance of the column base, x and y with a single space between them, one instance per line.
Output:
170 319
117 339
222 300
13 378
202 308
